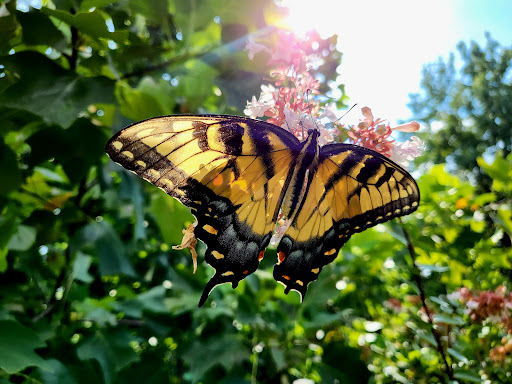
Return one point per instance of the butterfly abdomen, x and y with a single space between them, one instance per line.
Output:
301 171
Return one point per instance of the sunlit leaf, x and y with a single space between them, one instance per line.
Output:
55 94
446 319
22 239
39 30
459 356
81 268
91 23
149 99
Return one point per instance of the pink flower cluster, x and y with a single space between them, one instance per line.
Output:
494 306
375 134
291 104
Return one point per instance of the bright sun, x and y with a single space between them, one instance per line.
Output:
305 15
384 44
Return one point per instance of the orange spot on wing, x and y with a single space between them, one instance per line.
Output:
246 272
218 180
280 257
286 277
261 255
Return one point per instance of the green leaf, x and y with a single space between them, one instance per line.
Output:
102 317
504 218
10 31
23 239
81 268
500 170
446 319
8 227
428 337
485 198
278 357
9 222
3 259
197 83
55 94
111 350
226 350
131 189
88 4
149 99
466 375
10 173
170 214
39 30
91 23
459 356
152 300
156 11
17 345
102 238
77 148
59 373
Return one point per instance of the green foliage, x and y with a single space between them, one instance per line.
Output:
93 292
471 107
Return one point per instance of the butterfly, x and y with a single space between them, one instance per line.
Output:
238 175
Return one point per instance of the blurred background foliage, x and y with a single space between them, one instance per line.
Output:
90 289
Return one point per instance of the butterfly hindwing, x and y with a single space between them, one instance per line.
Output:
353 188
229 170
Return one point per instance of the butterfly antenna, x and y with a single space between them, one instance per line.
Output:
308 106
346 113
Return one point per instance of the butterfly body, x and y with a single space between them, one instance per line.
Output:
238 174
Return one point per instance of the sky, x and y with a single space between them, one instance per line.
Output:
385 44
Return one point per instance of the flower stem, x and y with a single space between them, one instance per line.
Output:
417 278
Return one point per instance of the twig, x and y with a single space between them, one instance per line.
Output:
132 322
155 67
419 283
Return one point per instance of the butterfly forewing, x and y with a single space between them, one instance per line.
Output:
228 170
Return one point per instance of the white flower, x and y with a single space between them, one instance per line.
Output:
405 152
495 319
268 94
303 381
300 124
253 47
454 296
326 136
256 108
472 304
329 113
292 122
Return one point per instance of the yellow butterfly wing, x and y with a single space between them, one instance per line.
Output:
352 189
229 170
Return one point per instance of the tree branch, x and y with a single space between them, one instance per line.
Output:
173 61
